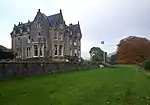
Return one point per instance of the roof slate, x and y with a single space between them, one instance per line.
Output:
54 19
75 28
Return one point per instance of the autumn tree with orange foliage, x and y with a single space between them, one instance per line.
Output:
133 50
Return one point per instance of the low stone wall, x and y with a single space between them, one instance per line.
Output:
10 70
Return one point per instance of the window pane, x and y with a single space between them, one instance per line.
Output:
60 49
27 52
35 50
41 52
55 49
39 34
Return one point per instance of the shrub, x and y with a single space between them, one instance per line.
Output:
146 64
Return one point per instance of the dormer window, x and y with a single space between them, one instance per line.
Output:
56 36
75 42
61 26
28 39
20 30
61 36
39 25
79 34
28 29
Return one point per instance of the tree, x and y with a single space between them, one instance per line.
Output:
113 59
96 54
2 48
6 53
133 49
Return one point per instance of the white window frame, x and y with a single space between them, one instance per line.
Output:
61 37
29 39
21 30
75 51
61 50
34 51
28 52
75 43
79 54
41 49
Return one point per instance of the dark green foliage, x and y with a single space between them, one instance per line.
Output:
113 59
7 55
96 54
146 64
96 58
2 48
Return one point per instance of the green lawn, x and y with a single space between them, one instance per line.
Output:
108 86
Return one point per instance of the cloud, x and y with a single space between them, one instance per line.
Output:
100 20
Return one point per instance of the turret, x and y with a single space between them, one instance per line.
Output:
60 11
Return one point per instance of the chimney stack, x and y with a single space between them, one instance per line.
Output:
38 10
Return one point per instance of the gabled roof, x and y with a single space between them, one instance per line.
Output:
54 19
75 28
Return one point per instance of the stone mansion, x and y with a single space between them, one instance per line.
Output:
46 37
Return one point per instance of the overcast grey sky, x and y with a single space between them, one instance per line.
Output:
108 20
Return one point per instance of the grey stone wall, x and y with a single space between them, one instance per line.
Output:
10 70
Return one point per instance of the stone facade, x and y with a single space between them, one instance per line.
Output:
46 37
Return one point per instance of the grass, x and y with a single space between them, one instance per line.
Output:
124 85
